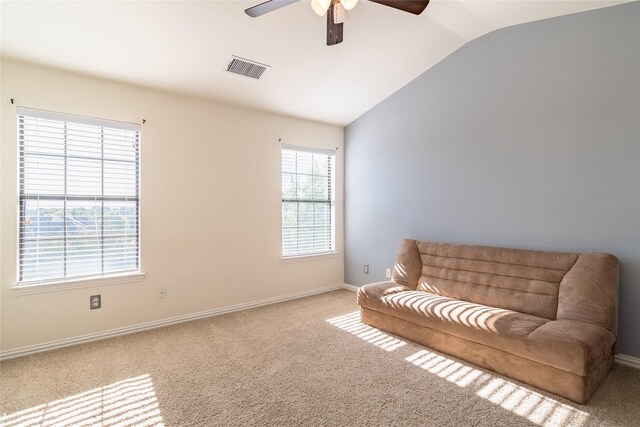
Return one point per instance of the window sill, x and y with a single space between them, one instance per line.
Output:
85 282
308 257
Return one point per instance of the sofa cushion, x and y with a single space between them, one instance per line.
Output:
513 279
567 345
460 318
408 265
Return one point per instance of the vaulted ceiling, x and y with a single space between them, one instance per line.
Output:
185 46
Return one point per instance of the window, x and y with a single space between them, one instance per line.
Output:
79 196
307 201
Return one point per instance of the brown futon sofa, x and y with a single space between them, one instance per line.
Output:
545 318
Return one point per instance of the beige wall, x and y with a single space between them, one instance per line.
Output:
210 209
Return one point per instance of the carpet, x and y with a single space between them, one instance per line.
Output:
302 362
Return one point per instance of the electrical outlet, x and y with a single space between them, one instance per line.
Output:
95 301
162 293
387 273
366 269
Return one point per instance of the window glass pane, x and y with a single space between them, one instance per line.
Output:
305 215
305 187
322 214
289 186
84 141
42 259
42 136
83 256
290 240
289 214
305 239
320 188
320 163
288 161
84 219
120 253
120 219
119 179
43 174
304 162
120 145
84 177
322 239
42 219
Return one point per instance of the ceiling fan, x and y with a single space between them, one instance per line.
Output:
336 11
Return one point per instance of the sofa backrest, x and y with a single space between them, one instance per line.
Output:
514 279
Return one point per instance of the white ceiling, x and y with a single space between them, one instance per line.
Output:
185 46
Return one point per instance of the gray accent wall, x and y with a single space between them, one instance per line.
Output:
528 137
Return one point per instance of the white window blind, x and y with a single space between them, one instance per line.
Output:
307 201
79 196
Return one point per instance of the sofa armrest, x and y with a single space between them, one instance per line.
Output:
589 291
369 295
593 343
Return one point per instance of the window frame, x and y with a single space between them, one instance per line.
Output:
101 277
331 201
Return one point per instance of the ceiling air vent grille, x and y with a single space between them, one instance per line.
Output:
246 67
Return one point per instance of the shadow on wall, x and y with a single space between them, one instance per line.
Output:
511 396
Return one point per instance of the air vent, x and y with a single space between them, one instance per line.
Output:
246 67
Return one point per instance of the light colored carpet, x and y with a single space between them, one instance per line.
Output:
303 362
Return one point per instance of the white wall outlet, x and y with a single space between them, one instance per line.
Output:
163 292
387 273
366 269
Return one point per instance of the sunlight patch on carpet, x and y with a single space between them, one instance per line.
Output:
351 323
522 401
131 402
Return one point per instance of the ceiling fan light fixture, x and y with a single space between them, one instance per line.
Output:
349 4
320 6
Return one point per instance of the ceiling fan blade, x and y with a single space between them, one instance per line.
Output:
412 6
267 6
334 31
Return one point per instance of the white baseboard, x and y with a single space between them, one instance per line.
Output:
52 345
623 359
351 287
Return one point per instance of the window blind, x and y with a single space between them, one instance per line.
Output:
307 201
78 196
